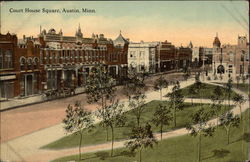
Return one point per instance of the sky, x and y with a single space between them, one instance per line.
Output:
178 22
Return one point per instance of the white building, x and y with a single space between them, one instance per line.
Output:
142 56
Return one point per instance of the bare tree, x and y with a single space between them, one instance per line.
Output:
217 99
176 100
199 127
162 117
239 100
112 116
229 120
142 137
100 88
77 119
136 104
159 84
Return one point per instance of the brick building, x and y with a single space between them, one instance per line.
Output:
231 60
8 66
19 66
67 60
170 57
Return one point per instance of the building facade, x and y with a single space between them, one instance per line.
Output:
67 60
142 56
231 60
8 66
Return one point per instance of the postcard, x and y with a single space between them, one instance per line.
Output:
124 81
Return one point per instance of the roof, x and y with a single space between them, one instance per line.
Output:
120 40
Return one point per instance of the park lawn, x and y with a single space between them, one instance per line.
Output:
98 134
242 87
205 92
184 148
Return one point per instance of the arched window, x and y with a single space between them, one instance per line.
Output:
29 63
220 69
22 63
8 59
35 62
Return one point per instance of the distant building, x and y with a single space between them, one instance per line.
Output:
67 60
9 81
53 61
167 56
231 60
20 71
142 56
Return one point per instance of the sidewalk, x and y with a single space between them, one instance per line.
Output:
38 98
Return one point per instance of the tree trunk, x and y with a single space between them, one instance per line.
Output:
242 141
107 133
140 154
80 144
112 140
240 113
199 148
161 93
228 132
161 131
174 115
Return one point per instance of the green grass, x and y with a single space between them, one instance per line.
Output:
98 135
242 87
205 92
184 148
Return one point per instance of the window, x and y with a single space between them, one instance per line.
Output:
57 57
35 61
231 56
142 54
242 57
47 57
41 57
1 59
29 63
53 57
8 59
22 63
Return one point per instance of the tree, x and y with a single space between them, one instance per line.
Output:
229 87
192 92
229 120
100 87
112 116
238 80
136 104
176 100
159 84
77 119
162 117
239 100
198 86
217 99
199 127
142 137
187 73
134 84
